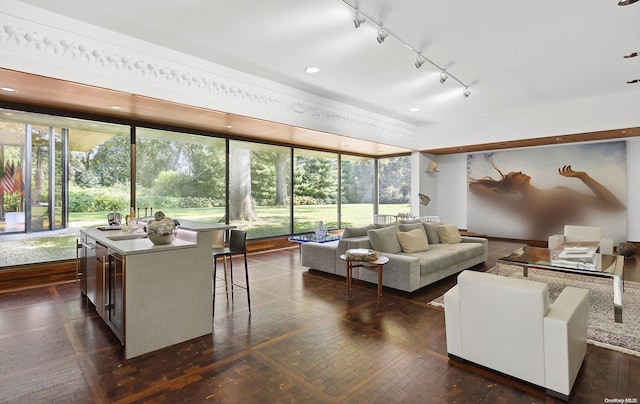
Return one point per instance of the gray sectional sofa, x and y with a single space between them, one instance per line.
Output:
406 271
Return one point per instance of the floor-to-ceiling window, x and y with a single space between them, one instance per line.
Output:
394 185
315 189
180 174
260 188
99 171
357 179
60 173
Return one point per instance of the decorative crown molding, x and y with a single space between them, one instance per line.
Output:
122 63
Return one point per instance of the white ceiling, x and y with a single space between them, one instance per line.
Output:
512 54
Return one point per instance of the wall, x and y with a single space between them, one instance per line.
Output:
451 188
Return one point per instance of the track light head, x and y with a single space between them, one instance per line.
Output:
443 77
358 19
419 61
382 34
631 55
466 93
626 2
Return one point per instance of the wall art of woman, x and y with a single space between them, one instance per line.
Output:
545 210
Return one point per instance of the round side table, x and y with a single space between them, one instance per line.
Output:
375 266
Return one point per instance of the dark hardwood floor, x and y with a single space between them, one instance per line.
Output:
303 342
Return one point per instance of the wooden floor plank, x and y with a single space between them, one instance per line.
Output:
303 341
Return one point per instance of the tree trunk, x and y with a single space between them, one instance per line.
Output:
240 205
282 185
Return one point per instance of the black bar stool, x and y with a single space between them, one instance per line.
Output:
237 245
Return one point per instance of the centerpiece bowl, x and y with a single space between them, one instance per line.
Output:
162 230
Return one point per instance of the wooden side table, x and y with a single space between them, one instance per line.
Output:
375 266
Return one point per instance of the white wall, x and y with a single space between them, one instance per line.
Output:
451 188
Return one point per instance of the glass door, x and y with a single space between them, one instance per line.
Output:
12 149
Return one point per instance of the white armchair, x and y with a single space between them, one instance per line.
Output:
574 233
508 325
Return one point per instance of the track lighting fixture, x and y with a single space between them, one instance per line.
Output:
626 2
358 20
631 55
361 17
382 34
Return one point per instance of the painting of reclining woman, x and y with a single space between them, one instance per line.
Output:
532 193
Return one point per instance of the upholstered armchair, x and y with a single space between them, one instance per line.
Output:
508 325
574 233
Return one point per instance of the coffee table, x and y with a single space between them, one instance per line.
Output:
608 266
312 237
375 266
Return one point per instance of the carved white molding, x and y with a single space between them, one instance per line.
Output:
65 49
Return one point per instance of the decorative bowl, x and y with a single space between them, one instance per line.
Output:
159 239
162 230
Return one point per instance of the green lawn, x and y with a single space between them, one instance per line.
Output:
274 221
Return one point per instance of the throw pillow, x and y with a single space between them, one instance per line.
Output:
409 227
413 240
385 240
361 231
449 234
432 232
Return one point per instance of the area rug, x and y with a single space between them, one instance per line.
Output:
603 330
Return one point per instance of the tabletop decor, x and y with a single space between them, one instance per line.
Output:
162 230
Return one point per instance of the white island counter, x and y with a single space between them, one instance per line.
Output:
152 296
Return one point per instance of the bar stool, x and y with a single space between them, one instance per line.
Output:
237 245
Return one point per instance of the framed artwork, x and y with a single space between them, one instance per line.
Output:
530 194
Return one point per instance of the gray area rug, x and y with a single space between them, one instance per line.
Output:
603 330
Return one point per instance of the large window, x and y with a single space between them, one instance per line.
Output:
394 185
182 175
357 185
99 171
315 190
260 188
59 173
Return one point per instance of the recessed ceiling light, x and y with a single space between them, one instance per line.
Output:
414 109
228 126
115 107
312 69
8 89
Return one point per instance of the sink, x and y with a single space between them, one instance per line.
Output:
132 236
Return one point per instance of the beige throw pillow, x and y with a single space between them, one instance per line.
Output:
413 240
449 234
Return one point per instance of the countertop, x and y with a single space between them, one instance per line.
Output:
129 243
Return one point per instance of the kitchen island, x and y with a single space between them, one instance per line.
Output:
151 296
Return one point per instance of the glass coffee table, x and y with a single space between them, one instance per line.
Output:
312 237
605 266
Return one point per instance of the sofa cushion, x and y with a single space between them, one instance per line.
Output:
432 232
412 226
359 231
449 234
441 256
413 240
410 221
385 239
